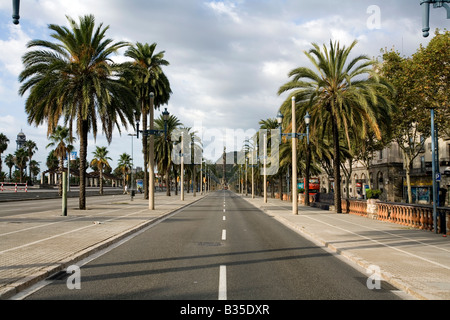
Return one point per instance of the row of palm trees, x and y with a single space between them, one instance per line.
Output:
348 101
20 158
75 80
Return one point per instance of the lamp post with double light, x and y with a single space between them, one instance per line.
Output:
132 165
434 137
151 133
294 136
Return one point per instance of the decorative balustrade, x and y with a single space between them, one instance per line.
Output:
410 215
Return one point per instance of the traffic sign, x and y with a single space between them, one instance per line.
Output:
438 177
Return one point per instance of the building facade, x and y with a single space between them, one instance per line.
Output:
387 173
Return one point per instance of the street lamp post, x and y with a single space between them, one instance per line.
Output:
265 167
246 180
253 175
434 137
15 15
132 165
152 132
182 167
426 13
294 135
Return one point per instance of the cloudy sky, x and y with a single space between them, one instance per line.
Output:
227 58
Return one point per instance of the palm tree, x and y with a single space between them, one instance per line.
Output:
269 124
164 147
31 147
196 148
34 169
101 162
124 164
20 159
3 146
60 139
340 95
52 161
146 76
9 160
75 78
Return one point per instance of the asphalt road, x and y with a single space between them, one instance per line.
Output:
218 248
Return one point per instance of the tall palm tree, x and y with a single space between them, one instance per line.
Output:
340 94
3 146
52 161
34 169
61 140
20 159
146 76
31 147
196 148
100 161
75 78
9 160
269 124
124 164
164 147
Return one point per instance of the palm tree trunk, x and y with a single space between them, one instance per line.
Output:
83 154
168 183
61 168
337 167
101 180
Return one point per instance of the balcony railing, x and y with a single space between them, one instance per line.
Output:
410 215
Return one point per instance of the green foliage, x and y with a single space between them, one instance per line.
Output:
373 193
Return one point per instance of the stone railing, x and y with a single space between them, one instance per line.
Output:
410 215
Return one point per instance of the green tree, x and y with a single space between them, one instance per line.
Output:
52 161
61 140
3 146
100 161
124 164
34 169
145 77
9 161
21 159
421 83
339 94
269 124
31 147
75 78
164 147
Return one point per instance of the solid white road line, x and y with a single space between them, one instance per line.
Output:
223 283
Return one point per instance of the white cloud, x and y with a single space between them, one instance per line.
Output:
225 8
12 50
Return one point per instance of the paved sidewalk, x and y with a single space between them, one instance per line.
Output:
34 246
414 261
